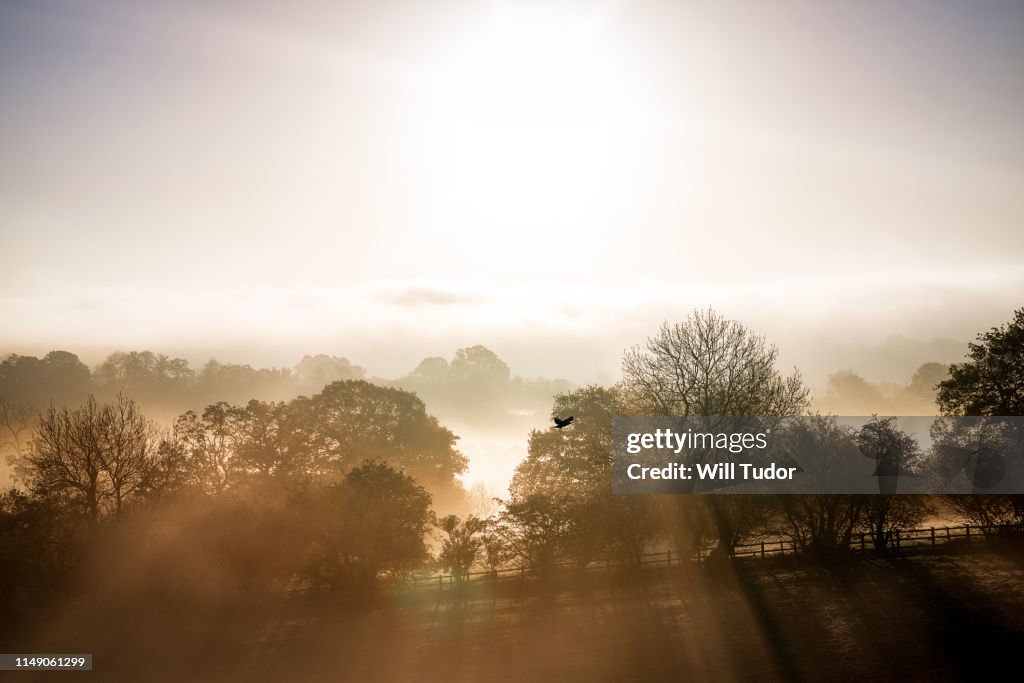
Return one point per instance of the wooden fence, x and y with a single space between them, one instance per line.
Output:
897 541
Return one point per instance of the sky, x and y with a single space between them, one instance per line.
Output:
388 181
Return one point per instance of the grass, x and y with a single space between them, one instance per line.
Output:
928 617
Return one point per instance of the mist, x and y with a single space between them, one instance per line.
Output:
290 294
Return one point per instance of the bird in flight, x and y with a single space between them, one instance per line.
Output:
559 423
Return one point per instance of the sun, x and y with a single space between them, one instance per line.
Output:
529 120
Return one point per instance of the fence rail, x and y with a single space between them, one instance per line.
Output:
895 541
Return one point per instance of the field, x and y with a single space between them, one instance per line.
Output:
931 616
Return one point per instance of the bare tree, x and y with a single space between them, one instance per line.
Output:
127 450
95 458
711 366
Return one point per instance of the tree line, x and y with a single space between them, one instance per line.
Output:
340 489
474 386
561 507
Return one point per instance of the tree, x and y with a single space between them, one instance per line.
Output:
58 377
277 444
15 430
994 513
896 453
977 447
233 382
210 443
127 451
147 376
922 391
461 545
35 554
476 385
847 393
991 382
373 524
710 366
316 372
356 421
96 459
572 469
318 439
537 526
821 525
432 370
482 501
479 367
496 550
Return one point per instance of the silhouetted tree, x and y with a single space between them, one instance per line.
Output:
154 379
59 377
495 549
710 366
233 383
991 382
209 443
96 459
536 527
573 466
821 525
896 453
356 421
374 524
973 451
460 545
995 513
277 444
36 555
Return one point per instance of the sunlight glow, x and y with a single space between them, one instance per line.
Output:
530 120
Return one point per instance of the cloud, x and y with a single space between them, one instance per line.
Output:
819 324
422 296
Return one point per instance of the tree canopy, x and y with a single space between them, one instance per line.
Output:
709 365
991 381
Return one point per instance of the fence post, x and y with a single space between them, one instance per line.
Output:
762 550
947 534
933 537
669 557
897 540
968 530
